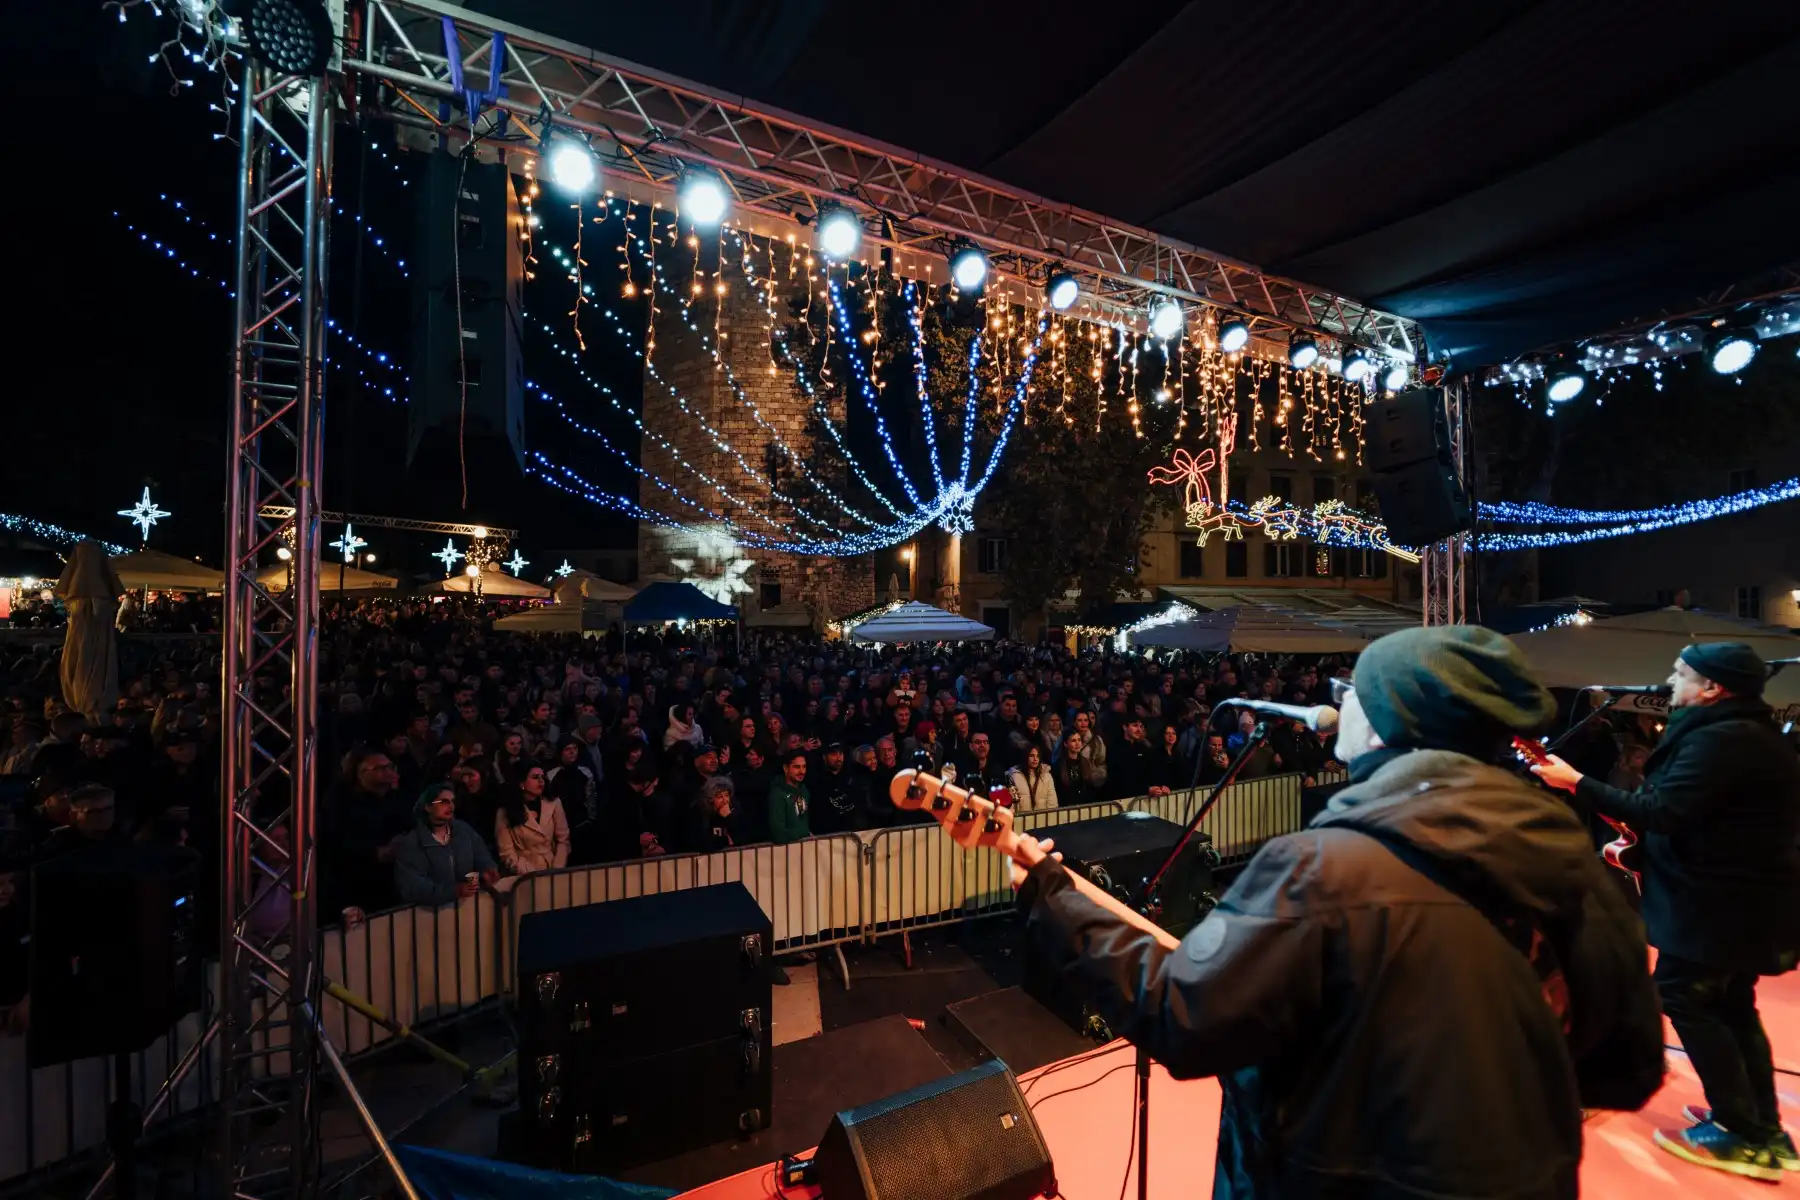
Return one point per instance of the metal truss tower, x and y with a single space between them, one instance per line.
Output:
1443 568
269 980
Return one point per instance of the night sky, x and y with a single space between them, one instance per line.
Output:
120 354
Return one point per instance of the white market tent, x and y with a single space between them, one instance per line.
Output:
579 585
160 572
494 585
1641 648
915 621
333 577
558 618
1255 628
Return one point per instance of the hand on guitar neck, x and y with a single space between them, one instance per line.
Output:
974 821
1620 853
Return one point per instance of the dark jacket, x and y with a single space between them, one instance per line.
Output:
426 872
1374 1034
840 801
1719 815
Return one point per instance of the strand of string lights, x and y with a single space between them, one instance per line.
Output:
1531 513
1683 515
32 527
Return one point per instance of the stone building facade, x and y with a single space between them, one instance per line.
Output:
700 404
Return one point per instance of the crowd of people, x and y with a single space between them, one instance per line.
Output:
452 754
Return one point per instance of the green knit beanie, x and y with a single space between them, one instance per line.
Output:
1449 687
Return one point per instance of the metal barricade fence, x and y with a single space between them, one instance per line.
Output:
424 966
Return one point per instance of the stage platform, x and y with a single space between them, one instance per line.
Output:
1084 1106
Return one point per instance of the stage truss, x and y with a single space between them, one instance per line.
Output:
648 128
1444 566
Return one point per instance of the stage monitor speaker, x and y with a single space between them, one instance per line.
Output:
115 950
1404 429
468 233
1423 503
969 1136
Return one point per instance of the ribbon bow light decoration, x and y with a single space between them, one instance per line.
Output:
1187 469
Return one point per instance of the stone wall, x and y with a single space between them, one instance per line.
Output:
740 322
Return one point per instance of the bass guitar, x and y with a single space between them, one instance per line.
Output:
1622 852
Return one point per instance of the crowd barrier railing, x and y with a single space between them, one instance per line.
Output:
426 966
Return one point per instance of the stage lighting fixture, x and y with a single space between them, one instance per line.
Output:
293 36
1062 291
1303 352
1234 335
969 267
1166 320
1730 351
1356 365
572 166
703 199
840 233
1396 376
1564 385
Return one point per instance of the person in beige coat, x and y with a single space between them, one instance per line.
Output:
531 831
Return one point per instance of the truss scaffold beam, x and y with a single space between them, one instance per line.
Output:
1444 566
648 128
270 688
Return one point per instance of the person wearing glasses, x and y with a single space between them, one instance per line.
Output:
530 829
1418 994
441 860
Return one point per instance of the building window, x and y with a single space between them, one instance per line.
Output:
1237 559
1749 601
992 555
1240 489
1281 486
769 594
1321 562
1284 560
1740 480
1665 597
1365 497
1191 565
1368 564
1324 488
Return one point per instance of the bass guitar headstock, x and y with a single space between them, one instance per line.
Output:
970 820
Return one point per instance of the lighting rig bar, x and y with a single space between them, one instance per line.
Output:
276 512
647 128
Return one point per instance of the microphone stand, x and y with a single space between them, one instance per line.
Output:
1578 726
1150 905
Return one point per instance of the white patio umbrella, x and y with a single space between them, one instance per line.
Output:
915 621
90 659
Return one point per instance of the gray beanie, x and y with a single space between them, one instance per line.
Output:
1449 687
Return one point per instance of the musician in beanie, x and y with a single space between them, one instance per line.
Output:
1418 994
1719 815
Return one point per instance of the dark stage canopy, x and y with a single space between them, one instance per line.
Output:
1507 174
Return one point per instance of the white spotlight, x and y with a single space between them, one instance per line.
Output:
1357 366
572 166
1303 353
1234 335
1396 377
840 233
703 200
1564 386
1062 292
969 267
1166 320
1730 353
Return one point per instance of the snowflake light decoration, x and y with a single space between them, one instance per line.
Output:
517 563
348 544
448 556
144 514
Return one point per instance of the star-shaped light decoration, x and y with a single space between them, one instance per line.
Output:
448 555
145 514
517 563
349 544
565 570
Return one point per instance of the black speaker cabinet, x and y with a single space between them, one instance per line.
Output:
115 950
966 1137
1422 503
467 233
1404 429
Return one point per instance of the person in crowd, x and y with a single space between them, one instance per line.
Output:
572 784
1130 768
683 726
1033 784
956 742
1719 815
93 812
360 825
440 860
713 823
641 822
469 733
1078 780
789 801
978 772
924 746
15 947
1264 760
1170 770
1050 735
512 755
1093 748
22 748
530 829
842 803
1317 991
539 729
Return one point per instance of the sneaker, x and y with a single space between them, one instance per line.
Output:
1782 1146
1710 1145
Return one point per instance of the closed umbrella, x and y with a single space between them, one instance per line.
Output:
90 590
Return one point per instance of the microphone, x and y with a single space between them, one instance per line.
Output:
1320 718
1630 689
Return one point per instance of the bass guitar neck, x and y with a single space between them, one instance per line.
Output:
1622 852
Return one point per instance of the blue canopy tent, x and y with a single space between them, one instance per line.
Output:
662 602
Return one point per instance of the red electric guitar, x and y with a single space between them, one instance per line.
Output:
1622 852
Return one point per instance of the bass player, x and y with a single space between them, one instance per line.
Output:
1719 815
1416 995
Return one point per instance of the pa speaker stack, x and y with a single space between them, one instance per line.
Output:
1406 443
643 1029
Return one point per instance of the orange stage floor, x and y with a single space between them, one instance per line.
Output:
1089 1132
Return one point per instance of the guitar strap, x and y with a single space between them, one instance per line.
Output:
1520 930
